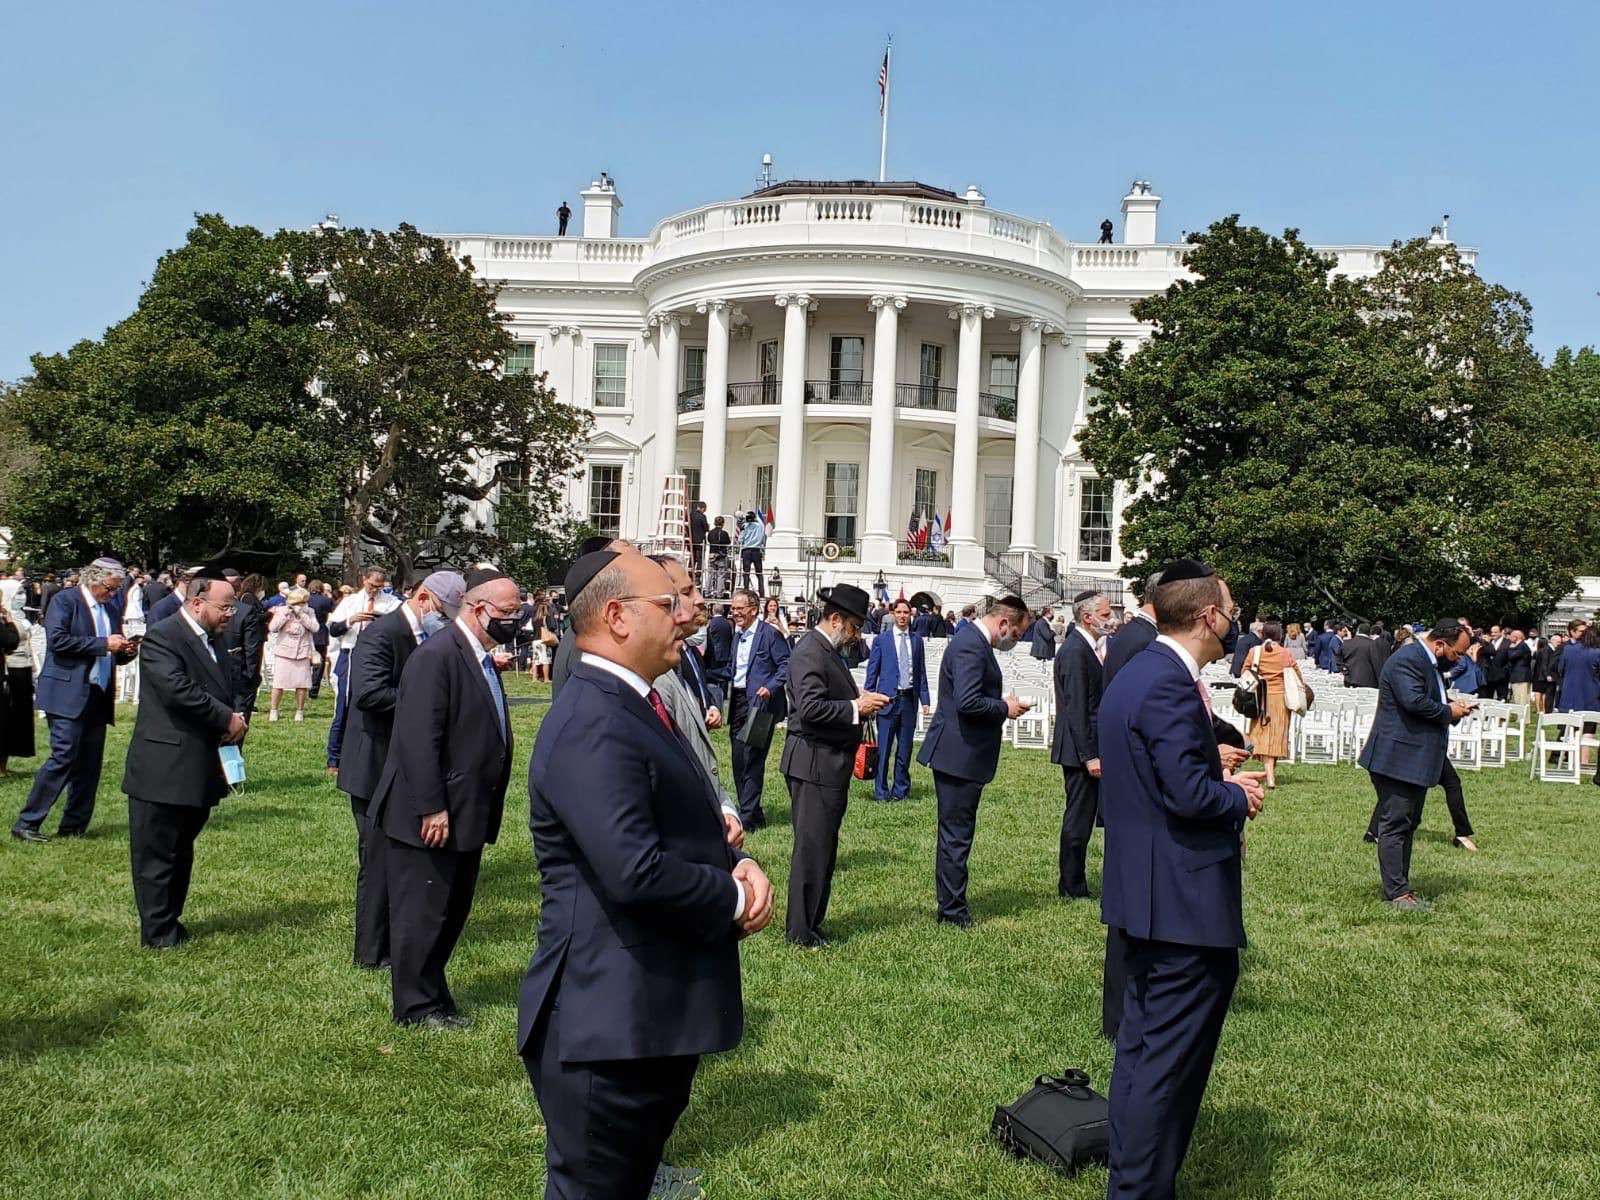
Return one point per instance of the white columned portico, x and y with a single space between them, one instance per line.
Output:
1025 471
878 544
714 426
791 427
666 405
966 551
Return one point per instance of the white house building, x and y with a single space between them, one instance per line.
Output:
853 356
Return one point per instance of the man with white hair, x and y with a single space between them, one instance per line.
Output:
83 644
1077 675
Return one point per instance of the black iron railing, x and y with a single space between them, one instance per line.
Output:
691 400
1001 408
764 391
925 396
828 391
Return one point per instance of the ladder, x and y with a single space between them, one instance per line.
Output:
672 529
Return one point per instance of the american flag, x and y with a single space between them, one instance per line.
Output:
911 530
883 83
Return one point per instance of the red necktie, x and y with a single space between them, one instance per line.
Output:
661 710
1205 697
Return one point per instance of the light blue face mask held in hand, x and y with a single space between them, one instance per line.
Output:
232 764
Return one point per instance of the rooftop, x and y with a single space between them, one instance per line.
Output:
853 187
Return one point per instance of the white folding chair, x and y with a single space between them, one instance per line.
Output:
1555 749
1466 743
1516 733
1492 733
1319 737
1031 731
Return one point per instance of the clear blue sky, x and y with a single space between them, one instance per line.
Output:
1354 122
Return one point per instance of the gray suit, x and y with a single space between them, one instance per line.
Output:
685 713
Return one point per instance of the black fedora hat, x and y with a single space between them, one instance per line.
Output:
847 598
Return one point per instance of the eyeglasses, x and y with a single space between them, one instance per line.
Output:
667 601
226 610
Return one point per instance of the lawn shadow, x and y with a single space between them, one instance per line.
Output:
734 1104
32 1037
1234 1154
293 914
1013 902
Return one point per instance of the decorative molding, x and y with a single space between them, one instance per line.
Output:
968 310
715 304
571 331
800 300
878 302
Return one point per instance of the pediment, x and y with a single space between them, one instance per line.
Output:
606 440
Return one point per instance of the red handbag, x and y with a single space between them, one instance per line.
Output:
867 753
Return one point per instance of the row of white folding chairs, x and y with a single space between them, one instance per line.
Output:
1562 743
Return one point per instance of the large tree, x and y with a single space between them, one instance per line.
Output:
188 431
1374 448
426 425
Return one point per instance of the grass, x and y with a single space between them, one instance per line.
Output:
1368 1053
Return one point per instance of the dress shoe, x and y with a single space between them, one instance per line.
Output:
178 938
381 965
674 1189
1073 894
29 835
1370 837
815 942
1410 903
1465 843
71 833
957 922
674 1174
754 824
438 1022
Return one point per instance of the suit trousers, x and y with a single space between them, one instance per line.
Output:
750 562
1399 814
606 1123
341 701
372 889
1113 983
749 766
1077 824
161 851
817 813
958 823
1455 800
77 748
1176 1001
897 727
430 897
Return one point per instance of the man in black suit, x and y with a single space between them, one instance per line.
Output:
643 901
245 638
173 600
760 666
442 793
1361 659
962 745
376 665
825 717
1519 667
718 661
1075 747
565 655
322 605
173 777
699 527
1496 666
1043 637
1247 641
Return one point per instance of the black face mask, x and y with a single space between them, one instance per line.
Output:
501 629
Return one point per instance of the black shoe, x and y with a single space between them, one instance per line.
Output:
29 835
1370 837
70 833
439 1022
179 937
754 824
1073 893
815 942
958 922
381 965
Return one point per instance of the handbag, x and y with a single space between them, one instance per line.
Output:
1297 694
1061 1122
756 732
867 753
1248 697
547 638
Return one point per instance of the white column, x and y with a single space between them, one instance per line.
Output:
966 551
878 544
559 365
714 428
791 426
666 406
1025 472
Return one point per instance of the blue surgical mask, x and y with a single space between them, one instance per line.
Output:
433 622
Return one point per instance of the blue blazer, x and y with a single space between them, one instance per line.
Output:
964 737
1172 865
883 665
768 668
636 932
1327 652
1412 730
72 649
1580 678
1465 676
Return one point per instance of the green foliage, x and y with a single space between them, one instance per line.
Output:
1378 448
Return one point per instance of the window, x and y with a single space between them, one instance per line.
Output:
997 512
767 371
926 500
930 372
691 484
1094 520
1003 375
520 360
839 503
515 484
694 369
847 361
605 499
764 488
610 376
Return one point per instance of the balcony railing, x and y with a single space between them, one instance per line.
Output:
920 395
691 400
1001 408
924 397
828 391
763 391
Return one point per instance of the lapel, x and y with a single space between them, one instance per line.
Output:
198 655
836 664
637 707
473 653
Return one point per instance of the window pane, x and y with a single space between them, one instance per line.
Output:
927 493
610 376
1094 521
605 499
521 359
694 369
932 365
1003 375
997 512
691 480
767 371
764 488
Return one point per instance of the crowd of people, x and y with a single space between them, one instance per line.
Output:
645 896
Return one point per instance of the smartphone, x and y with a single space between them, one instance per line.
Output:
1249 749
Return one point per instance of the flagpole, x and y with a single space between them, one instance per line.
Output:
883 142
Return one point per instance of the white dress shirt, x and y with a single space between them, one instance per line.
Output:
357 602
205 638
1188 659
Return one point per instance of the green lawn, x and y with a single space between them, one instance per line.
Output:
1369 1054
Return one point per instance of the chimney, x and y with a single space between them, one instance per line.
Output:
600 208
1139 214
974 197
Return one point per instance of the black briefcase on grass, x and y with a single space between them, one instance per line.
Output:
1061 1122
757 730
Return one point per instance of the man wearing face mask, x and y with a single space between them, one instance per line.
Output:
962 746
442 792
374 680
1406 752
1075 748
825 718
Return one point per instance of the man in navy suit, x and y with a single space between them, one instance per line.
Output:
963 742
897 667
1075 747
1406 751
719 657
636 973
760 662
1172 879
83 644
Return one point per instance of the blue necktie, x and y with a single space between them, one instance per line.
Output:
102 666
493 676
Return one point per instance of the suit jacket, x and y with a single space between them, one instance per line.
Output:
1519 663
163 608
1136 633
376 663
1246 642
1078 673
636 931
562 662
445 752
823 732
245 635
72 652
698 526
1412 730
185 706
1493 659
964 737
1172 864
684 707
1044 640
719 652
323 606
1361 661
768 668
1328 652
883 665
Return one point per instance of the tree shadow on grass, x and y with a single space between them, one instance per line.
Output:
1234 1154
31 1037
734 1105
294 914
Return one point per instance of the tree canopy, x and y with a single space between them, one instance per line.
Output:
1375 448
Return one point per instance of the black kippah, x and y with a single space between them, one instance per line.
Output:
1082 596
591 545
585 569
212 573
1185 568
484 575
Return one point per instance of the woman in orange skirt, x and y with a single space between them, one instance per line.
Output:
1270 731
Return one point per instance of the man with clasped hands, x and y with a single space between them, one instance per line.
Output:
636 973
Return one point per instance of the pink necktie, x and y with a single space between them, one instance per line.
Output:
661 710
1205 697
